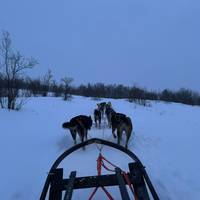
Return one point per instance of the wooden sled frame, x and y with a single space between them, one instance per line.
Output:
56 184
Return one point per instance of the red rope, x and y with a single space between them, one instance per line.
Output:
109 162
100 164
107 193
129 184
99 167
108 169
93 193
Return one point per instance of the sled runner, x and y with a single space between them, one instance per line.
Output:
59 188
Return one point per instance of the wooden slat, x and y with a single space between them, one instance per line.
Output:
55 178
91 181
122 185
138 181
70 186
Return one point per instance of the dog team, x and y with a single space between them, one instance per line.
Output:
119 123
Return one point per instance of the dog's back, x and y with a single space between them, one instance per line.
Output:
85 120
80 120
79 124
109 112
126 125
123 124
116 118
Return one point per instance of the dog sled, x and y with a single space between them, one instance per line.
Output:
57 187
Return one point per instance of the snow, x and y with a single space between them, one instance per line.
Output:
166 139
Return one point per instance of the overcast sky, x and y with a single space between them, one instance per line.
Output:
151 43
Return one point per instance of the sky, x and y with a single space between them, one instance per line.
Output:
153 44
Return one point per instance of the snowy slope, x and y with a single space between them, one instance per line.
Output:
166 139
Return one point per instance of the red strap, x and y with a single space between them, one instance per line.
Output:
107 168
99 167
109 162
129 184
104 189
93 193
100 163
107 193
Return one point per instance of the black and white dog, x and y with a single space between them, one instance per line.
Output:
102 107
121 123
97 117
79 124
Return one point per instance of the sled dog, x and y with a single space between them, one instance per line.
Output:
102 106
79 124
109 112
97 117
121 123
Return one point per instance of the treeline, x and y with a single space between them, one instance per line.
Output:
46 85
136 94
14 87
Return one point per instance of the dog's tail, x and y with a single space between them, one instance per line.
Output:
66 125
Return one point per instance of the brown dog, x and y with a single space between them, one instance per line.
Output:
121 123
79 124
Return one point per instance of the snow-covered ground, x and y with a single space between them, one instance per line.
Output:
166 139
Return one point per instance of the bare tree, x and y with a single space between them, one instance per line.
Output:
13 65
56 89
47 80
2 92
67 87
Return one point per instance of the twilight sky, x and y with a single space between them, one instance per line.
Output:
151 43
